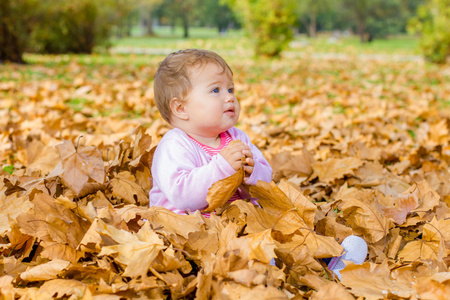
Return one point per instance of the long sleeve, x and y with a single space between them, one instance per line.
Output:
182 175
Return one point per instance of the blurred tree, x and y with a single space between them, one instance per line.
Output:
185 10
267 22
123 12
78 27
17 20
215 13
147 10
377 18
308 10
433 23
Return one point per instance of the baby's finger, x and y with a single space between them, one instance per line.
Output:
248 169
249 161
247 153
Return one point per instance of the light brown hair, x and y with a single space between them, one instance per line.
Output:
172 77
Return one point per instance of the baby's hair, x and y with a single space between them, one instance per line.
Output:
172 77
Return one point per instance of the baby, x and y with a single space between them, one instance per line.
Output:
194 92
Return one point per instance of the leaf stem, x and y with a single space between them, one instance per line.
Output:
78 142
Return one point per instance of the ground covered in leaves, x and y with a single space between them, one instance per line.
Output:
357 146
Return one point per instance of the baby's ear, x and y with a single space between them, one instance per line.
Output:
177 109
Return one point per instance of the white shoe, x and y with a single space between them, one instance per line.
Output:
355 250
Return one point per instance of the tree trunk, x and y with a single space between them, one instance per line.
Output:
150 24
128 26
361 28
313 25
11 48
185 25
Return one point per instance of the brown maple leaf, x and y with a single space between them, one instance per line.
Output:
80 166
333 169
125 187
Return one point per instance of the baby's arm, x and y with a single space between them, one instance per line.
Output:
183 177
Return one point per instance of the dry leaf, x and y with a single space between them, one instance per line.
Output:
333 169
125 187
46 271
81 165
135 251
221 191
364 219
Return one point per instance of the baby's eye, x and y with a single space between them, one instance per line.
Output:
231 90
216 90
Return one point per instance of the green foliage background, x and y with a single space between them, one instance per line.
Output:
267 22
433 22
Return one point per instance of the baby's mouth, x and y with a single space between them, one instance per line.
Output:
230 110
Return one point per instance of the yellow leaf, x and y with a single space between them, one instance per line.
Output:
46 271
135 251
333 169
221 191
10 208
262 246
271 197
373 281
365 219
306 209
124 186
81 165
63 287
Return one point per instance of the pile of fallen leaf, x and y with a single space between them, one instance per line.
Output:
357 147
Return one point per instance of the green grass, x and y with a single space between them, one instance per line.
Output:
199 37
395 45
209 38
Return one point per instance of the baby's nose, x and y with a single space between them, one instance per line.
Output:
229 98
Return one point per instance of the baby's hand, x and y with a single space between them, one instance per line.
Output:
249 163
234 152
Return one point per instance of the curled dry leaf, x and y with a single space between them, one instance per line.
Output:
46 271
221 191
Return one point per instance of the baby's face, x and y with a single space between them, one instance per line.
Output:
211 104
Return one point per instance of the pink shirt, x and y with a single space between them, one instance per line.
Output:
225 139
183 172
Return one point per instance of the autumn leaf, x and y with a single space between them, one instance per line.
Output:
373 281
63 287
46 271
262 246
306 209
221 191
430 246
10 208
80 166
271 198
142 145
333 169
404 204
332 290
125 187
434 287
135 251
365 219
169 223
